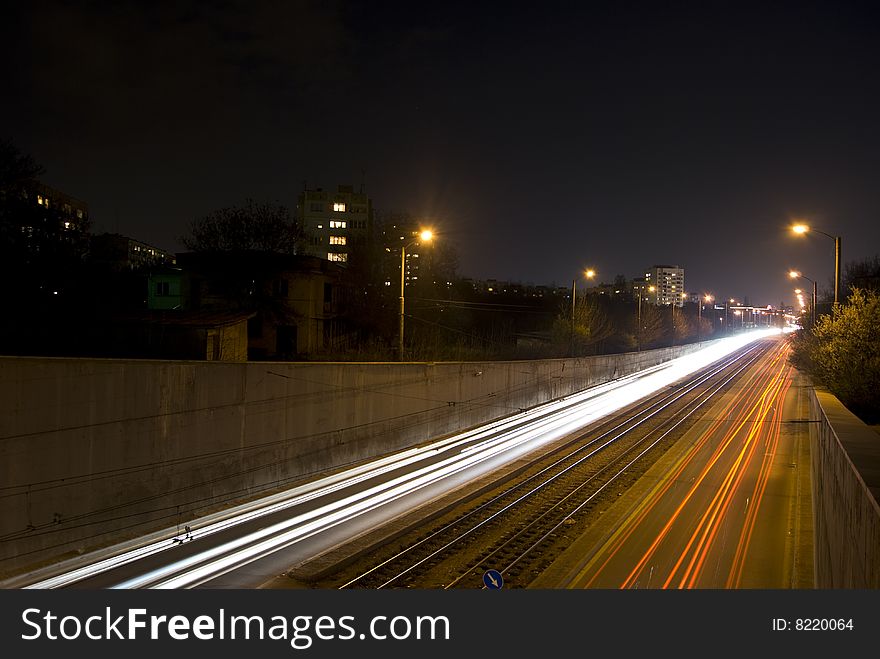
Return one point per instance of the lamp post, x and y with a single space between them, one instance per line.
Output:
794 274
800 297
639 332
589 273
683 297
708 298
425 236
802 229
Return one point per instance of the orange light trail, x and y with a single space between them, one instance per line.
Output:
750 393
761 395
711 521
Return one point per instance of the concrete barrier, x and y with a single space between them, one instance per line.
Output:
846 488
96 451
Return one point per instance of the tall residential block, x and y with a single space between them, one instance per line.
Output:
668 283
336 224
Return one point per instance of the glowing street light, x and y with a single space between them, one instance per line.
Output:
639 333
794 274
742 316
589 273
425 236
683 297
802 229
708 298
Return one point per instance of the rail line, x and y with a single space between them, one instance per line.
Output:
294 527
557 488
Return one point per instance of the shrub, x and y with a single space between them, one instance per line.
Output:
842 352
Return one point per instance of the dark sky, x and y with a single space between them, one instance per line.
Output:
538 137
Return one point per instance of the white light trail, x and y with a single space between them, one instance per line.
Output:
511 436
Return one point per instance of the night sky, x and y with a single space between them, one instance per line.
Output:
539 138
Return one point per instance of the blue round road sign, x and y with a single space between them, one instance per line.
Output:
493 579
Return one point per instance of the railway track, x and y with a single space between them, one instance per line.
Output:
521 526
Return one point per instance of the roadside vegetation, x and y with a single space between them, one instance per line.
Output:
842 353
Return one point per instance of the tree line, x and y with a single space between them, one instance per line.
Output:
447 317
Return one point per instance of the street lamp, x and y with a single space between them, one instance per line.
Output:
802 229
674 304
639 333
589 273
708 298
800 298
425 236
794 274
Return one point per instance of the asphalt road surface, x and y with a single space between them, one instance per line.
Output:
728 507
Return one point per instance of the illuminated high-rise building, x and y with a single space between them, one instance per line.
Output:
668 283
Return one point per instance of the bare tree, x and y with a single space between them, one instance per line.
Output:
252 226
653 327
584 332
864 274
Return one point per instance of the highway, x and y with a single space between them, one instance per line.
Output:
249 545
728 507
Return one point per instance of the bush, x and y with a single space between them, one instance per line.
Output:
842 352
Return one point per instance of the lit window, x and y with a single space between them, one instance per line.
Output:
40 199
320 226
337 224
339 207
67 225
339 258
337 240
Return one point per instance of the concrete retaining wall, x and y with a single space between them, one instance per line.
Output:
95 451
846 488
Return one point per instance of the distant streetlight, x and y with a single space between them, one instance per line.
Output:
589 273
424 237
639 333
683 297
674 304
708 298
794 274
801 229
